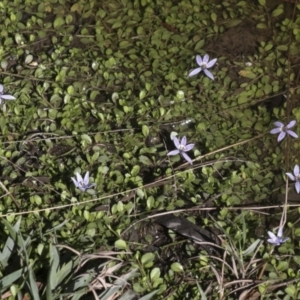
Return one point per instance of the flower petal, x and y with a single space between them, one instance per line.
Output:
274 242
291 176
86 178
275 131
75 182
206 58
292 133
278 124
199 60
187 158
211 63
79 178
282 240
194 72
296 171
174 152
183 141
8 97
297 187
291 124
281 136
272 235
280 231
208 74
189 147
176 142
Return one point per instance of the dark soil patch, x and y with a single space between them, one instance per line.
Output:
239 40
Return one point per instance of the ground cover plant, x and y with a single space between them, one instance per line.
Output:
149 149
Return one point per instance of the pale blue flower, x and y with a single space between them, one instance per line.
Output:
276 240
204 64
295 177
83 184
5 97
283 130
182 147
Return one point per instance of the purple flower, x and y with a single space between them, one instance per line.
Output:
276 239
295 177
182 147
283 130
5 97
203 65
83 184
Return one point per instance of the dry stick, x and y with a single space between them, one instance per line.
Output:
9 194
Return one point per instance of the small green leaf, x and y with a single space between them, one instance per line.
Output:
268 47
117 25
145 130
155 274
14 290
268 89
59 21
145 160
290 290
263 288
261 26
147 260
86 215
262 2
283 265
135 170
282 47
148 86
140 193
297 232
199 45
28 59
297 259
142 94
69 19
278 11
177 267
150 202
180 95
248 74
86 138
40 249
232 23
213 16
120 244
70 90
124 45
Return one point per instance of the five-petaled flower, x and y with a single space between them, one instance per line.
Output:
204 64
276 239
83 184
5 97
182 147
283 130
295 177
